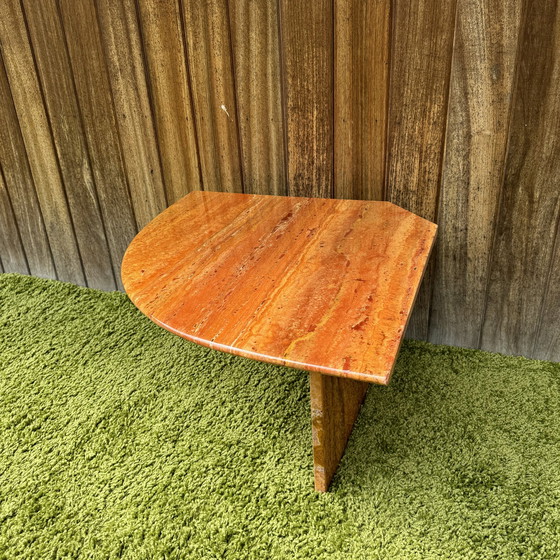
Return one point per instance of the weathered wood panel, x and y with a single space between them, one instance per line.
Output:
530 205
421 49
256 57
11 248
53 70
162 32
36 133
19 185
93 92
479 106
164 46
211 71
361 95
307 39
125 61
112 110
547 340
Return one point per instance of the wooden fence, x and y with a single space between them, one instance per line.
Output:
110 110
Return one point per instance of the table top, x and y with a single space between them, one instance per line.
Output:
321 285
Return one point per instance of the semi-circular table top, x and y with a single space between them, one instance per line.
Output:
322 285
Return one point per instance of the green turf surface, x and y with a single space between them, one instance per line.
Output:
121 440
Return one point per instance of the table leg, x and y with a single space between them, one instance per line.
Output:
335 403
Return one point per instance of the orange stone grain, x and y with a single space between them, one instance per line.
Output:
321 285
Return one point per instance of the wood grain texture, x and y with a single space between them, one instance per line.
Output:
53 70
307 43
11 248
18 182
257 70
530 205
36 134
162 34
479 107
547 340
421 49
361 95
93 91
123 51
317 284
305 103
211 71
335 404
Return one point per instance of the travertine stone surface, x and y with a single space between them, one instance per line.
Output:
321 285
335 404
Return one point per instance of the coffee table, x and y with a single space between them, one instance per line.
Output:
321 285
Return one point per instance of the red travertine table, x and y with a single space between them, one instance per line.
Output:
321 285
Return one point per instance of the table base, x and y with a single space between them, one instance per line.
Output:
335 404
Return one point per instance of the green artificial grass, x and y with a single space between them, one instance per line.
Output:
121 440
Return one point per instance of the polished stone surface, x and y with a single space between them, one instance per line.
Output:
321 285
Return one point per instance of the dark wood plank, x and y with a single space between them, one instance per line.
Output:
307 52
421 48
53 67
273 278
162 35
120 37
361 95
530 205
11 248
479 107
95 102
20 188
547 341
335 404
256 57
213 90
36 133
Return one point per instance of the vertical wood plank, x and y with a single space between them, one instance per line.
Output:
547 340
11 248
213 90
479 106
307 43
54 74
36 133
361 95
94 98
162 33
530 205
256 56
122 46
20 188
421 48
